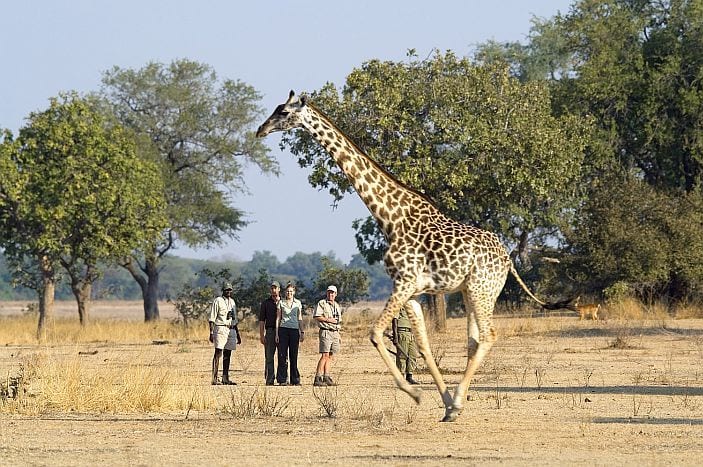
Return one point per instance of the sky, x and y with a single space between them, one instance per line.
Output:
51 46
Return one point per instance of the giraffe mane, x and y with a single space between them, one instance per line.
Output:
371 159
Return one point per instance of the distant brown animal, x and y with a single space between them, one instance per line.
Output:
590 309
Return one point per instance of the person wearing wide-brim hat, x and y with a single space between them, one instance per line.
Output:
224 333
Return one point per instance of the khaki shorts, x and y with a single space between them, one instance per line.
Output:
329 341
225 338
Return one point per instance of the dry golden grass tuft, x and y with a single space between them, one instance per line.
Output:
51 384
689 312
21 329
633 309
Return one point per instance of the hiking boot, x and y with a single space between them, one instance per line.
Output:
319 381
328 381
285 383
215 382
409 379
229 382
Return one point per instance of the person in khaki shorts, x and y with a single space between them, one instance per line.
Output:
328 316
224 333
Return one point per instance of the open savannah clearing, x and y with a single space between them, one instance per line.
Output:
553 390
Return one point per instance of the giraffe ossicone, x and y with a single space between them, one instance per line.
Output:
427 251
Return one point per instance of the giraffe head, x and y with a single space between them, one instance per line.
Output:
286 116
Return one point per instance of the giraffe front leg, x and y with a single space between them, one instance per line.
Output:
377 340
417 320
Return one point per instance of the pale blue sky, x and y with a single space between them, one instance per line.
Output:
49 46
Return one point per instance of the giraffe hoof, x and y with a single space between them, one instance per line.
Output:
416 394
451 414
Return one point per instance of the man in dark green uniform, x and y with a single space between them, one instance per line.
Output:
405 349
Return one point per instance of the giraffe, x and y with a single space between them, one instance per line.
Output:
427 251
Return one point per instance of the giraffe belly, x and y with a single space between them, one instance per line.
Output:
433 282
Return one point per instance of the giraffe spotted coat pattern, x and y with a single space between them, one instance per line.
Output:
427 251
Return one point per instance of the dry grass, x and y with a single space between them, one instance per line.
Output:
632 309
48 383
550 382
21 329
94 369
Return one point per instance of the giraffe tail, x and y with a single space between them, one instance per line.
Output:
567 304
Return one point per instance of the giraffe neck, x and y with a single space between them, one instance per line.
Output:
378 189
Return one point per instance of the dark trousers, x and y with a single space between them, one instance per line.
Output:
269 353
288 344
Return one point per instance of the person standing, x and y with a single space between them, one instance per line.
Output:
404 341
224 333
329 317
289 334
267 330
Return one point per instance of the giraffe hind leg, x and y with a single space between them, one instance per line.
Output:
389 311
482 336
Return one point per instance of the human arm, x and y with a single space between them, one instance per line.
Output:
239 336
211 320
262 339
301 331
262 323
394 330
278 320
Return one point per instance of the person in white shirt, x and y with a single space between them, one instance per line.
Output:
224 333
289 335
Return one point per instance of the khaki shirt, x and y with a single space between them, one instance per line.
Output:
223 312
403 320
328 310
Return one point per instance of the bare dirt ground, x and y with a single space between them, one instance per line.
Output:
553 391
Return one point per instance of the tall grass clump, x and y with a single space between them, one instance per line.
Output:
69 385
265 403
21 329
629 308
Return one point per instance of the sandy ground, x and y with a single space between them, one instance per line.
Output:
553 391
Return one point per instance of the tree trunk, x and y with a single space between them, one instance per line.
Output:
81 286
437 311
46 296
82 293
151 293
522 250
148 284
441 318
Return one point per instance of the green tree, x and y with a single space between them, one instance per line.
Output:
637 67
380 284
635 234
352 284
260 261
85 198
482 145
195 296
304 266
201 130
251 296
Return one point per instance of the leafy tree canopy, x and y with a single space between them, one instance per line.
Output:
482 145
